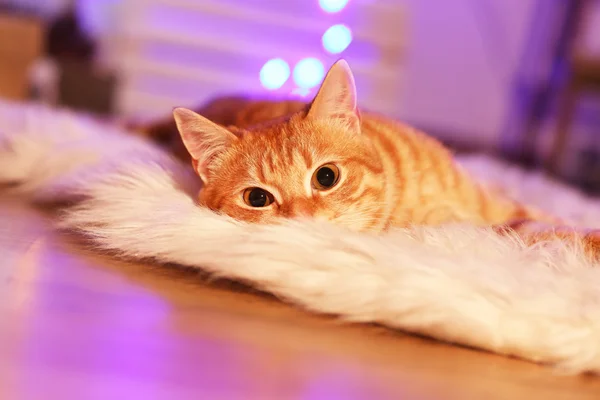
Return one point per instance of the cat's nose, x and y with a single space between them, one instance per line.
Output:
301 208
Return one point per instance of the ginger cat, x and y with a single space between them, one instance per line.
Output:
261 161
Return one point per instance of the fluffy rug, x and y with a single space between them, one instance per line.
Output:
459 284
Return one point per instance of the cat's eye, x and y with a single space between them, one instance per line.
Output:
325 177
257 197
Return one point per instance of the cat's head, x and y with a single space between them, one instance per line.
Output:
314 164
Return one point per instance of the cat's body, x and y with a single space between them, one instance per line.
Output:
262 160
419 176
233 110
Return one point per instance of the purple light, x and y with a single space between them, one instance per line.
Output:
333 6
274 73
308 73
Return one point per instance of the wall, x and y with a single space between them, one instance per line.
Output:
184 52
460 66
46 8
459 70
591 29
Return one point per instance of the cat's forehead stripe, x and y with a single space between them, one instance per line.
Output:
307 157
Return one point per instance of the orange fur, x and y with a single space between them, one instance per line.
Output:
239 111
390 174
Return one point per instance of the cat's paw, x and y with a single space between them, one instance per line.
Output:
591 242
588 238
535 232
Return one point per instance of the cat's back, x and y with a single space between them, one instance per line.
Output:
425 183
240 111
402 142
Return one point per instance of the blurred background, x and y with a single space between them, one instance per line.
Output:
516 78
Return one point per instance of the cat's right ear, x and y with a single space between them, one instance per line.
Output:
202 138
336 98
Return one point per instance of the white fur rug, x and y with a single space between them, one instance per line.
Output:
459 284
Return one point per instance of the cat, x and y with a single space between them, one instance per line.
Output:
263 160
231 110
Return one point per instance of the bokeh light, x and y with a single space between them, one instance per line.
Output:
333 6
337 38
274 73
301 92
309 72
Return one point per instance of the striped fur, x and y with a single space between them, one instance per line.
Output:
391 174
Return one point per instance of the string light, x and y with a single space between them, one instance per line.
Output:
308 72
333 6
274 74
337 38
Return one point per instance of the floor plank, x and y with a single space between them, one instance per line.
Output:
74 324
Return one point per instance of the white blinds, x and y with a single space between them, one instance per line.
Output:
182 52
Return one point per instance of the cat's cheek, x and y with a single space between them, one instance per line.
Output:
202 198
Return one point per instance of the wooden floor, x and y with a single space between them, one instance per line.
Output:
74 325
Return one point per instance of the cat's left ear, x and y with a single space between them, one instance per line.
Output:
336 98
202 138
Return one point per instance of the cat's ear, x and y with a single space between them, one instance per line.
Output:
336 99
202 138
